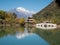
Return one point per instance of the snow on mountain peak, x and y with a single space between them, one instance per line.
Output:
22 12
21 9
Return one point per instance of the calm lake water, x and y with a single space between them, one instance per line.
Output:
28 36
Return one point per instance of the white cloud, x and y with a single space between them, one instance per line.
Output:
21 9
22 12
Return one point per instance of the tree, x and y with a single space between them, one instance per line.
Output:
14 14
2 14
22 21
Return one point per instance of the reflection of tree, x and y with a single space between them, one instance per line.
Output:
31 29
21 35
21 29
52 36
4 31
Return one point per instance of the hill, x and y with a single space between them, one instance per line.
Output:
49 13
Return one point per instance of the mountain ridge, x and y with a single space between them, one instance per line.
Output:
49 13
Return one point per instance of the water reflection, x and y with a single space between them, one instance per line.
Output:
51 36
24 36
21 35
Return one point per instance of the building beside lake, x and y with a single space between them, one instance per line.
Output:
30 20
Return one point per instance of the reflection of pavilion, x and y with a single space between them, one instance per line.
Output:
21 35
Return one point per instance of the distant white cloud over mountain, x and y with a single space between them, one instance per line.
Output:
22 12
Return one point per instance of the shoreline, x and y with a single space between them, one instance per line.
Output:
58 26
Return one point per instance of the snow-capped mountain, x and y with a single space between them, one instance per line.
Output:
22 12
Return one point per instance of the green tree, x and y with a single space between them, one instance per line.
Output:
2 14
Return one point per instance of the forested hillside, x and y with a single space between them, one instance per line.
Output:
10 18
49 13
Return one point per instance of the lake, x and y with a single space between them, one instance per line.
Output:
28 36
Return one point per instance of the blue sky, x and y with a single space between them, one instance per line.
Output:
35 5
